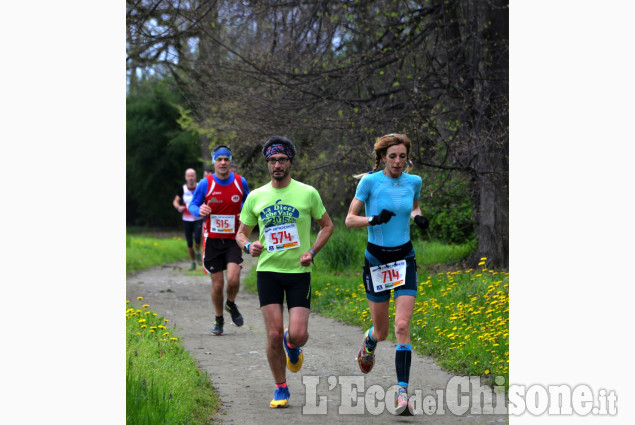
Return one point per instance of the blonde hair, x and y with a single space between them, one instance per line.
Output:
381 146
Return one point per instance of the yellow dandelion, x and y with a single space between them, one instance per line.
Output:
145 306
486 372
139 298
142 320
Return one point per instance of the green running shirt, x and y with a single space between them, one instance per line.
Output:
269 207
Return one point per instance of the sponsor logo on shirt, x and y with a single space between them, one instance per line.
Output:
235 198
278 213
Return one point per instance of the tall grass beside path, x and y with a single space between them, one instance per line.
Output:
143 252
163 383
345 250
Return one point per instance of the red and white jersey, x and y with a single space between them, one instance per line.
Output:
187 198
226 203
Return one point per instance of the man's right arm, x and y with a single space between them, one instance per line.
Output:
242 239
176 203
244 231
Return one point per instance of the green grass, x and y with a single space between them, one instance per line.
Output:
460 317
433 254
163 383
146 251
345 251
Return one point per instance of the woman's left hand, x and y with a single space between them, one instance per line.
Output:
422 222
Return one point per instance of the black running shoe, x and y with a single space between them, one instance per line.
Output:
217 328
237 318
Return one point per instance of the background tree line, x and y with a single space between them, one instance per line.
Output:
333 76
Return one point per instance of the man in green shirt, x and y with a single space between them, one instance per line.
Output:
283 210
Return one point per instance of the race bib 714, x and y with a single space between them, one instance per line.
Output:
388 276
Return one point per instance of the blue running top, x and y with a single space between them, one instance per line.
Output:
377 192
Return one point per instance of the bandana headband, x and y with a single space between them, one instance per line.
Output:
278 148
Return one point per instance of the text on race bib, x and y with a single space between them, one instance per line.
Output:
388 276
222 223
282 237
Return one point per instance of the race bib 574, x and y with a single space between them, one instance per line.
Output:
282 237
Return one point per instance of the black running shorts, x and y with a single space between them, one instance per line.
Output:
193 231
272 287
376 255
219 252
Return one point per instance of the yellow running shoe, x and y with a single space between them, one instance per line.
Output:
280 398
294 355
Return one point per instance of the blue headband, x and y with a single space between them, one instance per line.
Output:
222 152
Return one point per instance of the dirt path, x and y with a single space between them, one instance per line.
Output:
240 373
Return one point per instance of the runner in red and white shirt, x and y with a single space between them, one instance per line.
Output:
219 198
193 226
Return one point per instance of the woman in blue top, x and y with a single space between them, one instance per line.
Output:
391 199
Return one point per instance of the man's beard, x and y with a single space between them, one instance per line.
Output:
285 173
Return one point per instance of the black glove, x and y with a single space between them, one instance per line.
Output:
383 217
422 222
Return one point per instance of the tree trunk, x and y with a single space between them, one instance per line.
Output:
491 223
489 130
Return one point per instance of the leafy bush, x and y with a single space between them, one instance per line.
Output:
449 210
